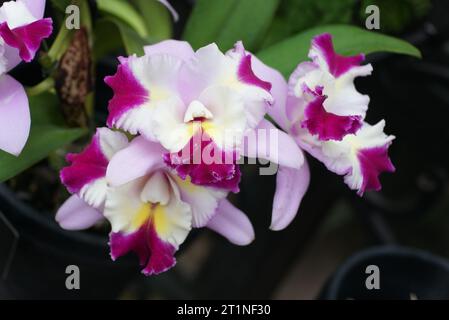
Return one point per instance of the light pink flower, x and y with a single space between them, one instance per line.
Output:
22 28
173 94
325 114
151 209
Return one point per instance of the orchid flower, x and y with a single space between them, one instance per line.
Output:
172 102
153 212
322 110
22 28
188 101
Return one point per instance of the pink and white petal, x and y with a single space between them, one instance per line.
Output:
206 164
369 157
208 67
202 200
177 223
232 224
90 165
155 255
291 186
16 14
295 110
180 49
140 158
152 230
129 93
27 38
229 121
305 72
168 126
278 91
140 86
326 125
76 214
268 142
14 115
35 7
322 52
111 142
123 206
245 72
170 8
343 98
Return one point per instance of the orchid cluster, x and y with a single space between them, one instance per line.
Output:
22 29
179 123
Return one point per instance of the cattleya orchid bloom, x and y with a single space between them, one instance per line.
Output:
174 101
22 28
322 110
150 215
190 101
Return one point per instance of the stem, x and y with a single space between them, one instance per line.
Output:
44 86
60 44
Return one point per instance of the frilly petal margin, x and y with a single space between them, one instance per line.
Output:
232 224
291 186
323 51
76 214
155 255
326 125
128 92
15 118
27 39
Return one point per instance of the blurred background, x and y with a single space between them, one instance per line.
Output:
404 229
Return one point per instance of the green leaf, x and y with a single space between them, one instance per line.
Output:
226 22
132 42
125 12
157 19
348 40
47 134
312 12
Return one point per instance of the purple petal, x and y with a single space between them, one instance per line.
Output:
336 63
75 214
291 185
85 167
245 71
14 116
374 161
326 125
27 39
155 255
223 173
137 160
180 49
232 224
128 92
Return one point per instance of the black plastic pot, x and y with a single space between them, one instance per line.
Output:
405 274
35 252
